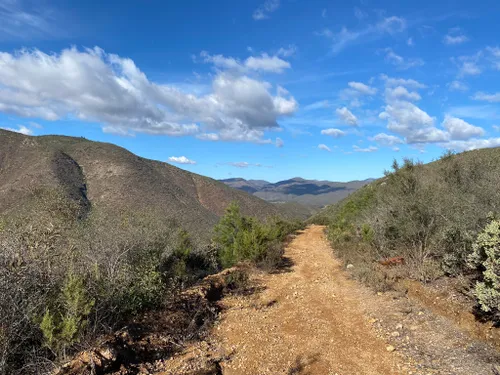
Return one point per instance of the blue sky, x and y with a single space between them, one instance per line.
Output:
264 89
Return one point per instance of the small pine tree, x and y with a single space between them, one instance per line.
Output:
63 329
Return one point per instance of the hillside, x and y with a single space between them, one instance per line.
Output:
109 179
311 193
435 221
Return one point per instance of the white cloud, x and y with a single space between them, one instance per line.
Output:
468 65
368 149
387 26
472 144
455 36
180 160
322 104
457 86
287 52
335 133
91 85
469 68
492 98
410 83
408 120
262 63
496 127
410 42
323 13
460 129
386 140
20 129
346 116
324 147
263 11
267 63
400 62
279 142
401 93
244 164
362 88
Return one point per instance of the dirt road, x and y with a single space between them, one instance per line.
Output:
308 320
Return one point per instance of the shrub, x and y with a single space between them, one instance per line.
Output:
241 238
486 258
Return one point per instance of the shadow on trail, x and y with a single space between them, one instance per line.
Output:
300 364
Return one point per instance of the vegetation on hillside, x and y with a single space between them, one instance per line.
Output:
431 215
66 279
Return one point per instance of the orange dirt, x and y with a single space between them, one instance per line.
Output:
308 320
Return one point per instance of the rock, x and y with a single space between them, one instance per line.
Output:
390 348
399 326
349 266
395 334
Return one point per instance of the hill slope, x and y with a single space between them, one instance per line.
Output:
312 193
110 179
431 220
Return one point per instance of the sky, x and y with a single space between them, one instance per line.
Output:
260 89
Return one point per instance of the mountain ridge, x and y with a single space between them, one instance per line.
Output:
312 193
106 177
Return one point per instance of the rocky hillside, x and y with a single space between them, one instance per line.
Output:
109 179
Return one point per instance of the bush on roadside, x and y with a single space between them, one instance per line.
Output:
486 258
240 238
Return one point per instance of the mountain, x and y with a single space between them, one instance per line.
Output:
311 193
104 178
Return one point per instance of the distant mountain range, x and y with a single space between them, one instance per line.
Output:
312 193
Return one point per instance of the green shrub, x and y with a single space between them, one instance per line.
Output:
241 238
486 258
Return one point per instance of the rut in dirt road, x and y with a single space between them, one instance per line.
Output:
308 320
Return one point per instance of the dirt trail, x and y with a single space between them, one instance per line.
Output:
307 320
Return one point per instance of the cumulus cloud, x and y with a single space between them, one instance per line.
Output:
180 160
20 129
335 133
401 62
386 140
345 37
408 120
409 83
460 129
362 88
367 149
457 86
468 65
455 36
401 93
324 147
472 144
279 142
262 63
91 85
492 98
263 11
346 116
